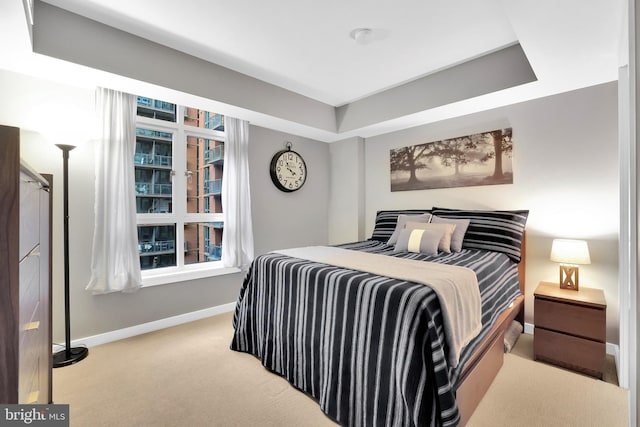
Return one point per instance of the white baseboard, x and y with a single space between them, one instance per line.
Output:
611 349
107 337
156 325
528 328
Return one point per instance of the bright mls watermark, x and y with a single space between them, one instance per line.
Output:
34 415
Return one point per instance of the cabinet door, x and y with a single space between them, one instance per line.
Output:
44 315
34 345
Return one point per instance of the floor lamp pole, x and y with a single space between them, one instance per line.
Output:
69 355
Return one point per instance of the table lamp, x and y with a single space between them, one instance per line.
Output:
570 254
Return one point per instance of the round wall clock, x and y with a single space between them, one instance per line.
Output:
288 170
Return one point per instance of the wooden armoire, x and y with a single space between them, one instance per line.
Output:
25 277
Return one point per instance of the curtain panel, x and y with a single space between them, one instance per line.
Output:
237 237
115 264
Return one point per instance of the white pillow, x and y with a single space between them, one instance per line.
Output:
418 241
402 220
447 230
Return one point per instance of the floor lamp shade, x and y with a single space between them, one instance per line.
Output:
69 355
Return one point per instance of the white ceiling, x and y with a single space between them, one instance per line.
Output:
305 45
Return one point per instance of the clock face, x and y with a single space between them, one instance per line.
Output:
288 170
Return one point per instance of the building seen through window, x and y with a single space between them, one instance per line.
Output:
179 161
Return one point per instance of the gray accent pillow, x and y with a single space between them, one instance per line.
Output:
447 229
419 241
458 233
402 221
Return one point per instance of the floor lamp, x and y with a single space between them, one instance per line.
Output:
69 355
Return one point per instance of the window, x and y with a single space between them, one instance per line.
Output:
179 161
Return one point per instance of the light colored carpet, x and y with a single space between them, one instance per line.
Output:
528 393
187 376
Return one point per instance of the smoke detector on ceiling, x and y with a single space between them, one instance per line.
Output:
362 36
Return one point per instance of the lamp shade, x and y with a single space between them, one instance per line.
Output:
568 251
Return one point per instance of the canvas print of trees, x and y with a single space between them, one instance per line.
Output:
478 159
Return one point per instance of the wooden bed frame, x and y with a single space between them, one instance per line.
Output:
487 359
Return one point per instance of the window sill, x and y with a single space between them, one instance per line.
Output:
171 275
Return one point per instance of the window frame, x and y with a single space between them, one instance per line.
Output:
178 215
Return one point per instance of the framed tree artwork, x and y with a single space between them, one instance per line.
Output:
470 160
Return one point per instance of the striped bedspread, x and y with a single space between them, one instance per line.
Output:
370 349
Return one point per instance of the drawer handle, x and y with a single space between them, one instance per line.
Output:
33 396
32 325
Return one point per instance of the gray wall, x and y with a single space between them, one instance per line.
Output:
347 202
92 315
280 220
565 165
566 173
284 220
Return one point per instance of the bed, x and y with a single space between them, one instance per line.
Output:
377 349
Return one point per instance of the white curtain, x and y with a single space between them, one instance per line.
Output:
115 264
237 237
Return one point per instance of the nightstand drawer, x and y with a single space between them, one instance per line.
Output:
579 320
571 352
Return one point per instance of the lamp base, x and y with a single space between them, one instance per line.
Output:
75 354
569 277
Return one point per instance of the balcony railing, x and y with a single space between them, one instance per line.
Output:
156 246
213 252
154 103
213 186
214 154
152 159
155 134
214 121
160 206
148 188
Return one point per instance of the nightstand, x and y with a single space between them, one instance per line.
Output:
570 328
